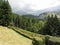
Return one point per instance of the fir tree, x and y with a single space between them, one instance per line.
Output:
6 13
52 26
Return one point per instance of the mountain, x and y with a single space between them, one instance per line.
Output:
52 9
30 16
41 14
45 14
37 12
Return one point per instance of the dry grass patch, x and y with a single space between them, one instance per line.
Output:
10 37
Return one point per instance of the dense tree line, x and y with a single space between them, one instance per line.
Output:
30 24
52 26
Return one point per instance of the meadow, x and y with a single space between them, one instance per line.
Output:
10 37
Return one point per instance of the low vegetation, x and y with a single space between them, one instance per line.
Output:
40 39
29 35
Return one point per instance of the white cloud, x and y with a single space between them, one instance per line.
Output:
33 4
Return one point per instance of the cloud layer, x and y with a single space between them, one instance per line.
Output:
33 5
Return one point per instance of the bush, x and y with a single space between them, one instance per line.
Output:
46 40
35 42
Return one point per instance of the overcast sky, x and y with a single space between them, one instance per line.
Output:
33 4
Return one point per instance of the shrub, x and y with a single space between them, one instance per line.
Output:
35 42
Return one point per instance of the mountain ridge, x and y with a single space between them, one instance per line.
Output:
38 12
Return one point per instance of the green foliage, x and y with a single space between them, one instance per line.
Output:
53 40
5 10
35 42
30 24
46 39
51 26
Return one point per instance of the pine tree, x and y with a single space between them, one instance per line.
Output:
51 26
1 16
6 13
57 26
47 27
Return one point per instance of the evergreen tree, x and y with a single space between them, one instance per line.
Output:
47 28
6 13
51 26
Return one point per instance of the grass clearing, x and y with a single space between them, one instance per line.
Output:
54 39
29 34
39 36
36 36
10 37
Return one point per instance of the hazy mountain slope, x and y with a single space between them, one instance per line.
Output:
30 16
37 12
45 14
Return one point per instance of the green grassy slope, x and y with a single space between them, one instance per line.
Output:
37 36
28 34
10 37
54 39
